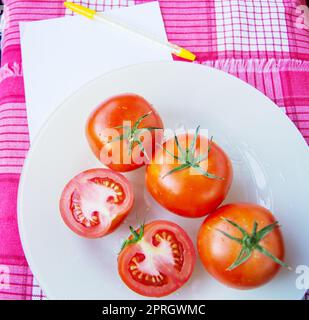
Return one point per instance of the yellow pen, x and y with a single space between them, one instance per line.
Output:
92 14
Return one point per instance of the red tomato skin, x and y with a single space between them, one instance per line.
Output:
96 231
178 281
110 114
217 252
187 195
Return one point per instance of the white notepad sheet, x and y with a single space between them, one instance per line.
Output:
61 55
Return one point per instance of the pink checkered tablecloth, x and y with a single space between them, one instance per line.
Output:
263 42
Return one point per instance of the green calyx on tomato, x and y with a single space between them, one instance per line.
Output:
187 158
137 235
250 242
133 135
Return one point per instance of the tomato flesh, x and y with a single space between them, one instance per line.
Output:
176 246
79 215
100 188
160 263
144 277
174 256
95 202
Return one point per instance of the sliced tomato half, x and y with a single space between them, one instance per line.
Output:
157 259
95 202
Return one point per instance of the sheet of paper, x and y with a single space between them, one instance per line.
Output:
61 55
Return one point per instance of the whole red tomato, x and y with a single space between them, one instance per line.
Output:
157 259
123 132
190 175
241 245
95 202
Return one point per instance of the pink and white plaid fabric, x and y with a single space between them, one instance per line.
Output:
263 42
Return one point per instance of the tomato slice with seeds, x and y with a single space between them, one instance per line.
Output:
95 202
157 259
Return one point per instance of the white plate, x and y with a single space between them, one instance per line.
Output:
270 160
